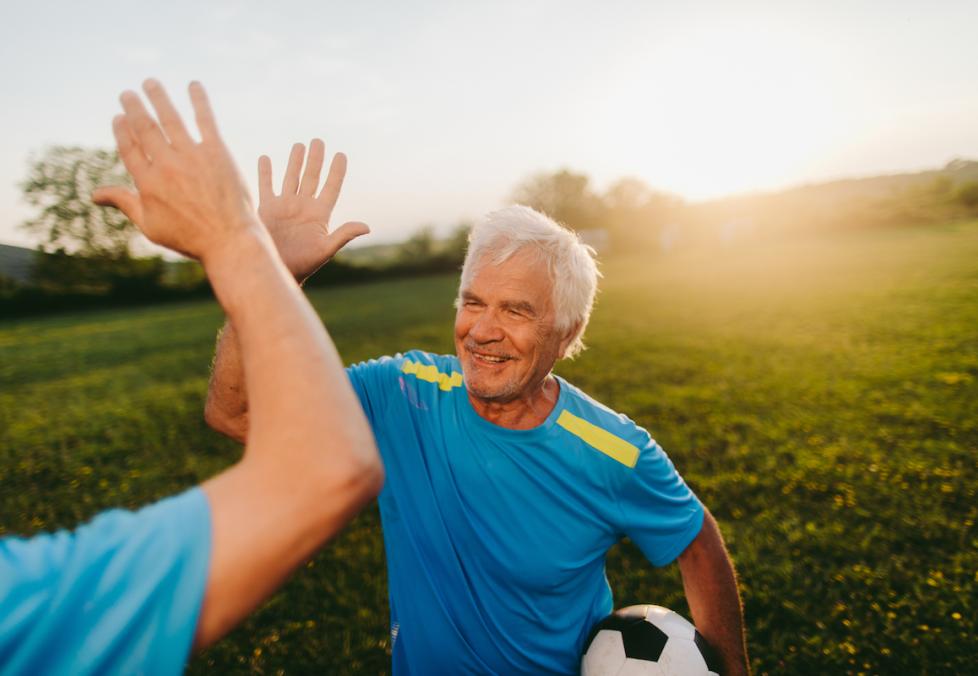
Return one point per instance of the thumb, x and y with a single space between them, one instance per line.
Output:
123 199
343 235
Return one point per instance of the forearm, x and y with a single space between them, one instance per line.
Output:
226 408
710 583
310 462
290 366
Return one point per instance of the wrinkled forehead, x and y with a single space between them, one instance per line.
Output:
526 261
524 275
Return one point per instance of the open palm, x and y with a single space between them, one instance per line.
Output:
298 217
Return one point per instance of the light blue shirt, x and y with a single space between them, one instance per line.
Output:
119 595
496 538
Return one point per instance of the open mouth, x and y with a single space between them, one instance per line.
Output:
488 359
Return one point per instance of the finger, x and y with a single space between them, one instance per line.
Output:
168 116
343 235
122 198
314 167
265 192
203 113
130 152
144 128
290 184
334 181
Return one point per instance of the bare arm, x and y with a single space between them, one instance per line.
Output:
310 462
298 220
226 409
711 590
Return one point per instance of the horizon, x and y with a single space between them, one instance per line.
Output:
441 123
367 241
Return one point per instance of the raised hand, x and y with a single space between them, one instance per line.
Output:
189 196
298 218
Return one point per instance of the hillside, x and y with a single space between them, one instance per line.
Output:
16 263
894 199
956 172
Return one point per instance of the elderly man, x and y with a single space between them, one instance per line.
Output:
506 485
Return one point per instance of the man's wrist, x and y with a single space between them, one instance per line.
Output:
226 259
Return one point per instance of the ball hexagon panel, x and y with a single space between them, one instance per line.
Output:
682 656
604 650
672 623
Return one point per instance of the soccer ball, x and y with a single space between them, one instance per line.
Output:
647 641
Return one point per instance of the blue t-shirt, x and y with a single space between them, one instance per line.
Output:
496 538
119 595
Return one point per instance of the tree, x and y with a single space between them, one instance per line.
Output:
60 183
84 248
636 213
565 196
8 286
458 243
121 276
419 248
967 194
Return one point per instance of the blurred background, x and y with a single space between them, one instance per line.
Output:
784 200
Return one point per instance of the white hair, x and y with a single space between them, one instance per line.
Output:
570 262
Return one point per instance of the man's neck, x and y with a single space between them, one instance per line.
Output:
524 413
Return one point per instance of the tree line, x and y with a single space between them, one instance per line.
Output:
87 253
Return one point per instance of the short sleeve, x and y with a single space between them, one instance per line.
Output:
373 381
121 594
658 510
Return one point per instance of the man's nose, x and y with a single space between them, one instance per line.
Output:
486 328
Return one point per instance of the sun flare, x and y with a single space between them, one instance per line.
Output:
724 111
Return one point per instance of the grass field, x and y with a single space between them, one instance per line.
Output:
820 395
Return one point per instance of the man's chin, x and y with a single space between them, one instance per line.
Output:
488 392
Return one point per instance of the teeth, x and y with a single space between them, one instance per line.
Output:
486 357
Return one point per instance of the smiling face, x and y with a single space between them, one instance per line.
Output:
505 333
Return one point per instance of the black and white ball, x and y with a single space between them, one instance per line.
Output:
647 641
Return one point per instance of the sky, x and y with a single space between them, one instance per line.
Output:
444 107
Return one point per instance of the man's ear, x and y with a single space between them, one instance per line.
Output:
568 337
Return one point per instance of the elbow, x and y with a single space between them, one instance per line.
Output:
363 473
374 481
359 478
212 416
369 473
220 421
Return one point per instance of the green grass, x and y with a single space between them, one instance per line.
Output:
820 395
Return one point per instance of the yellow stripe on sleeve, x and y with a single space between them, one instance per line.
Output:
430 374
602 440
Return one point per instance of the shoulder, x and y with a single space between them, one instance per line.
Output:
439 369
444 363
136 574
418 365
409 360
585 414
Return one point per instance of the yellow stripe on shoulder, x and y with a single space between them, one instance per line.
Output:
604 441
430 374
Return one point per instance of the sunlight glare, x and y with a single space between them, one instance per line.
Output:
726 111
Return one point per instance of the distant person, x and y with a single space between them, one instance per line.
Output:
506 485
130 592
